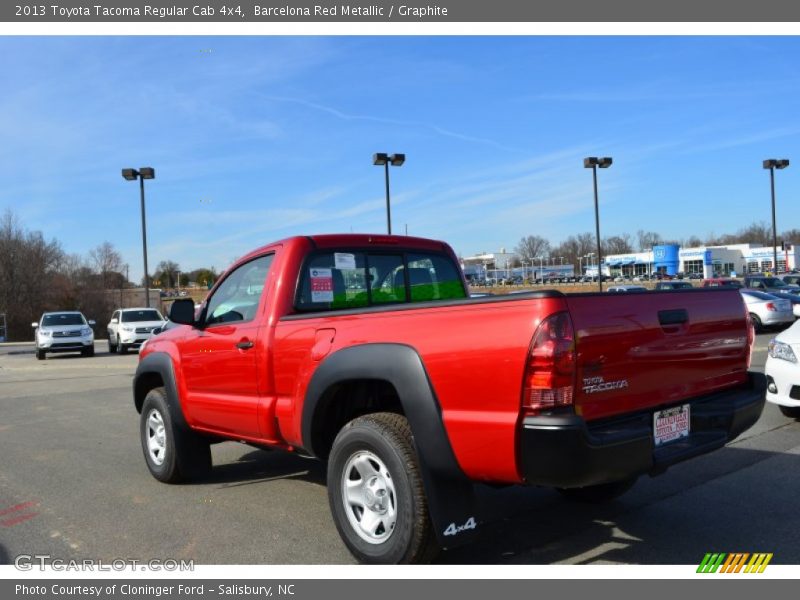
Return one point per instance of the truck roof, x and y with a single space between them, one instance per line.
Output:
356 240
375 239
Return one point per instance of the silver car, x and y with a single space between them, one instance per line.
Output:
767 310
65 331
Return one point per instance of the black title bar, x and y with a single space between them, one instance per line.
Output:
444 11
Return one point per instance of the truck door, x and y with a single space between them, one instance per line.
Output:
219 358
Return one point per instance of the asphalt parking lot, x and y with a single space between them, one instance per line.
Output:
73 484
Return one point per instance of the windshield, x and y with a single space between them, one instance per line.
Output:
56 319
132 316
774 282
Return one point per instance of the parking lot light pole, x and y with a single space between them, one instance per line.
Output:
772 164
592 162
142 174
383 159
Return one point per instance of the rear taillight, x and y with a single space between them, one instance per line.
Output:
549 380
751 335
771 306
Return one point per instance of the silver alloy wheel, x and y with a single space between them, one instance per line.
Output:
369 497
156 437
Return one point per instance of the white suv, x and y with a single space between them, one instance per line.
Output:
132 327
66 331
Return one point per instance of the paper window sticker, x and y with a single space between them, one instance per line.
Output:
342 260
321 285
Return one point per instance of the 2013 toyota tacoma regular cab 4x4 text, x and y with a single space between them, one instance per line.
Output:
365 351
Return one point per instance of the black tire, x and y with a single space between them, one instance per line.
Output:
793 412
757 326
185 455
40 354
88 351
121 348
388 437
112 349
599 494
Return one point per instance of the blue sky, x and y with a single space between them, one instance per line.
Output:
258 138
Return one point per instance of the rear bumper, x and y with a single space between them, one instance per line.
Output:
565 451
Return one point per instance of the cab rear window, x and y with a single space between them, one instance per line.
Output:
344 280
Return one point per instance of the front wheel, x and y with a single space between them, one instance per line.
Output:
172 453
376 494
600 493
793 412
88 351
40 354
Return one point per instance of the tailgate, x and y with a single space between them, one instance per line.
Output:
646 350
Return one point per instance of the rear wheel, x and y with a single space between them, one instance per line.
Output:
598 494
756 322
376 494
172 453
793 412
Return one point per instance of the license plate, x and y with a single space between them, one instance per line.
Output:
671 424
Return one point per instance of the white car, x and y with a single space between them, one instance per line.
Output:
783 371
131 327
64 331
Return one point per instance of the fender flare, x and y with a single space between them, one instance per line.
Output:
161 364
451 498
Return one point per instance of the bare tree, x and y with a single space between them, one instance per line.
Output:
756 233
648 239
791 236
105 260
617 244
532 247
27 267
692 242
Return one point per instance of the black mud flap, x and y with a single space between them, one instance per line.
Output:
453 508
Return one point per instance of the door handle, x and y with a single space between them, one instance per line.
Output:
673 317
245 344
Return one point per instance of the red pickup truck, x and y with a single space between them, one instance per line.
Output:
366 351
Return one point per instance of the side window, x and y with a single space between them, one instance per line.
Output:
237 298
433 277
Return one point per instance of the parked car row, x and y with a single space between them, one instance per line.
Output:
71 331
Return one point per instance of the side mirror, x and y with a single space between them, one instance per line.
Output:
115 320
92 322
182 311
34 324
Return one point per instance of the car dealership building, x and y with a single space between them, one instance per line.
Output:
709 261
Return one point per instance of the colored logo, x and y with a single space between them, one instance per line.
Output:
737 562
660 253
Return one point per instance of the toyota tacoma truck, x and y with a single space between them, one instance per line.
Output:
366 352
